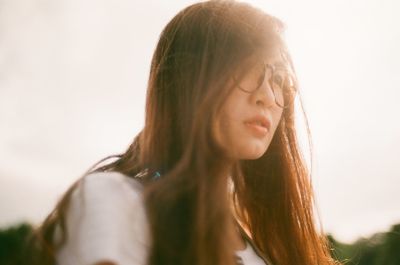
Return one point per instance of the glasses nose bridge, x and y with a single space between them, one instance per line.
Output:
268 76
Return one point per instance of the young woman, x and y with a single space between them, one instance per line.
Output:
216 175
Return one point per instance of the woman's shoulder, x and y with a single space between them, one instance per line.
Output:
106 214
111 182
105 192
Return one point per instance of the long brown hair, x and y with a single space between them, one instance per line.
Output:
188 206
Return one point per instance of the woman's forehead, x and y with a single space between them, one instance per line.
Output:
268 51
275 57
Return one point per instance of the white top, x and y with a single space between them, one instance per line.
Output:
249 257
106 221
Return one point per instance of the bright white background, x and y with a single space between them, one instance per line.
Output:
73 75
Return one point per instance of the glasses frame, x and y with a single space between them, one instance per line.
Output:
273 69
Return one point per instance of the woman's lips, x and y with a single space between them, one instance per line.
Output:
259 125
257 129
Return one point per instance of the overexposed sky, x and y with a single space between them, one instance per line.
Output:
73 76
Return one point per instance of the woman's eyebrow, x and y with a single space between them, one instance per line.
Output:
279 64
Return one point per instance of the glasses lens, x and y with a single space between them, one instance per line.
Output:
253 79
283 86
280 79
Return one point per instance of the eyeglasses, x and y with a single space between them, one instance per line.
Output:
279 78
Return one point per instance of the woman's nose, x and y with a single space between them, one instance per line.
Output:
264 95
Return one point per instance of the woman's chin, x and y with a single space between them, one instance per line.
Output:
252 153
254 156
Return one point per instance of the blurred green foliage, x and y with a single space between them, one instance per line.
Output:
379 249
12 244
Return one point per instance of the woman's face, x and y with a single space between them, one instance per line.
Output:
248 121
